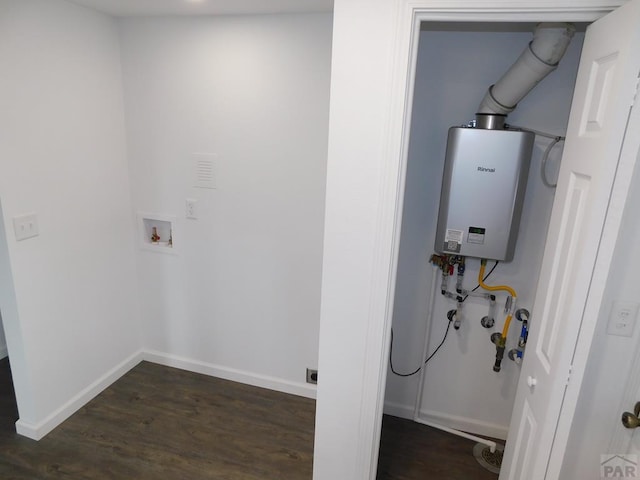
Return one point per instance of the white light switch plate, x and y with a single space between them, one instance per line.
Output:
622 319
26 226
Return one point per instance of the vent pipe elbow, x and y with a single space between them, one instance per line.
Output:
539 59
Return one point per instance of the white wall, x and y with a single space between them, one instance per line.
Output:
241 297
610 358
9 323
73 318
453 72
4 266
360 73
3 340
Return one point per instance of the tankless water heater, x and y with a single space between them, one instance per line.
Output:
483 187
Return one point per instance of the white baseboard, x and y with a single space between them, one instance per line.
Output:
4 353
39 430
398 410
465 424
249 378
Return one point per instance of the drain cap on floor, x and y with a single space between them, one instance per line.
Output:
489 461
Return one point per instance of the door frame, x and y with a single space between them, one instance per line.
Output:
407 18
13 328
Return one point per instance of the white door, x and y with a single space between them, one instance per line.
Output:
633 444
631 463
576 264
634 447
623 459
625 441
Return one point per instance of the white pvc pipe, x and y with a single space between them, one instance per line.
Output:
539 59
489 443
416 410
427 334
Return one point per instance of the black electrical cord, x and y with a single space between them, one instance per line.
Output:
450 318
425 362
485 277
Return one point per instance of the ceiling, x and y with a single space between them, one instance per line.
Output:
127 8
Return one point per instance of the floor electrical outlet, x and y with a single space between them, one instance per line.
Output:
312 376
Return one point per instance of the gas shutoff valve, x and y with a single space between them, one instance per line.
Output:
516 354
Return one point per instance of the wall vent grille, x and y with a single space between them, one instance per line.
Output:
205 170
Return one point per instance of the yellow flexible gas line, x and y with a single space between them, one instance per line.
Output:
502 341
503 288
505 329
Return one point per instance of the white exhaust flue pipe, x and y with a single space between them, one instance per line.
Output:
539 59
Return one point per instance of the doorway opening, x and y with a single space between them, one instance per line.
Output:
8 402
457 388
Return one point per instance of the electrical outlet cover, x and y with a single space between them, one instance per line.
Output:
26 226
622 319
191 208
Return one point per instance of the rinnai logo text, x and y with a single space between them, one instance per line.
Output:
488 170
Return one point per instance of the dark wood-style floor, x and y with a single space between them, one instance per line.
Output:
163 423
410 451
